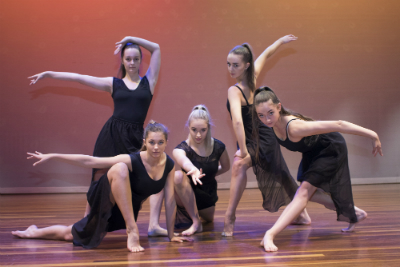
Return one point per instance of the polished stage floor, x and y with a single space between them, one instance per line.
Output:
376 241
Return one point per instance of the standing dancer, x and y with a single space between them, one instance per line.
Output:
325 159
132 95
116 198
273 177
201 157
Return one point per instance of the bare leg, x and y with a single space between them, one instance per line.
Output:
155 229
207 214
299 202
323 198
238 184
55 232
118 177
361 215
185 197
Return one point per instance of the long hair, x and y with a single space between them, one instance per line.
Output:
153 127
201 112
122 70
264 94
247 54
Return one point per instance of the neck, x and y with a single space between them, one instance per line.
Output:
133 77
192 143
281 123
151 160
242 82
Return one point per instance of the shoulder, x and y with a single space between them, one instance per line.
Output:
182 145
218 143
169 163
145 80
233 90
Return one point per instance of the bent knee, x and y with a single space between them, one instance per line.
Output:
178 178
119 170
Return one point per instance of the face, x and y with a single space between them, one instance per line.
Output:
236 65
198 129
155 144
131 60
268 112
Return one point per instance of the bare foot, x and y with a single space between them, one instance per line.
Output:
28 233
157 231
268 243
195 228
229 226
303 219
361 215
133 241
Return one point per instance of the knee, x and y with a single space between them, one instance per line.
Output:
178 178
118 171
68 237
238 167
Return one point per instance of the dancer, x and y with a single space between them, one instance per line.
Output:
325 159
273 177
116 198
201 158
132 95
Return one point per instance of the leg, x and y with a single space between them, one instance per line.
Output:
118 177
207 214
238 184
299 202
185 197
155 229
361 215
55 232
95 177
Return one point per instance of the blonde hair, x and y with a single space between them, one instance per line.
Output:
201 112
154 127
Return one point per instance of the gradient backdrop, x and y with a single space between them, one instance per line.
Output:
345 65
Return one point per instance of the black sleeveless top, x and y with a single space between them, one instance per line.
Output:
246 116
131 105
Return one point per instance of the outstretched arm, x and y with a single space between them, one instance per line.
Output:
185 163
170 208
237 120
155 61
299 129
224 163
104 84
260 61
82 160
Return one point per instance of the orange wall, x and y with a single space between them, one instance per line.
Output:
345 65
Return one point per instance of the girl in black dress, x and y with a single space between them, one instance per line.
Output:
324 164
273 177
132 95
116 198
201 158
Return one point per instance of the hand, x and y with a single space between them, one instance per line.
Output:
239 154
181 239
377 147
196 175
120 44
37 77
37 155
288 38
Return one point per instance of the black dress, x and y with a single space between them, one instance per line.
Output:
325 165
105 216
123 132
273 177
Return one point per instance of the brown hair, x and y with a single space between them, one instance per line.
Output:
154 127
264 94
247 55
201 112
122 70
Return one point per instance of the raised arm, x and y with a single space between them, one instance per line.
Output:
82 160
237 120
224 163
170 208
269 51
298 129
155 61
185 163
104 84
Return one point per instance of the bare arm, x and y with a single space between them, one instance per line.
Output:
224 163
237 120
299 129
104 84
82 160
155 61
185 163
269 51
170 208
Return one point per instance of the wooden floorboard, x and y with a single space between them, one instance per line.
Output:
376 241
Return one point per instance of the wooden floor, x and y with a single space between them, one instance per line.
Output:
376 241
